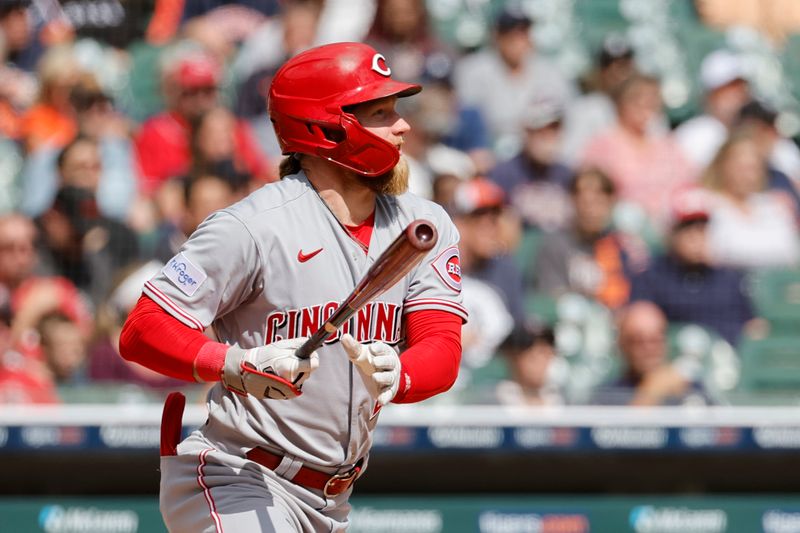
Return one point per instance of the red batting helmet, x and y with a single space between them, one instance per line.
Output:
307 98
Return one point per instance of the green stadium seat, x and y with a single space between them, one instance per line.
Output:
525 254
771 365
776 297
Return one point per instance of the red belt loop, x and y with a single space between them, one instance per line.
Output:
330 485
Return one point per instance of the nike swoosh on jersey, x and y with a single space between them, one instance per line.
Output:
305 257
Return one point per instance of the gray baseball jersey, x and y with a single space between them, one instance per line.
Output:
276 265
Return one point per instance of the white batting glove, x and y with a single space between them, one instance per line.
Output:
272 371
378 364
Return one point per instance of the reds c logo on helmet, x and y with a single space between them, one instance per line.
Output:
307 98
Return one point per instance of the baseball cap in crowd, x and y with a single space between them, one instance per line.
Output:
689 205
719 68
512 17
476 195
446 161
196 70
614 47
542 112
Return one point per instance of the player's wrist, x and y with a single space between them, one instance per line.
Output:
210 361
403 385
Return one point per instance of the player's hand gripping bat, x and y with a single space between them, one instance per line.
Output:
396 261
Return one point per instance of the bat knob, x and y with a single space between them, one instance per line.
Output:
422 234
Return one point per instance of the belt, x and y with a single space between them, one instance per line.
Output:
330 485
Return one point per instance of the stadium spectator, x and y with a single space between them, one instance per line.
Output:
64 348
535 181
727 90
532 361
488 327
590 257
102 154
428 156
214 150
263 52
203 195
25 295
750 227
401 30
647 376
51 121
685 284
19 36
17 60
502 78
593 113
645 164
23 380
476 210
82 245
191 89
760 119
17 257
105 363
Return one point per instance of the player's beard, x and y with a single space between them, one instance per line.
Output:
392 183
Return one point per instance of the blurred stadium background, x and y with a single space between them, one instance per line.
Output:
625 175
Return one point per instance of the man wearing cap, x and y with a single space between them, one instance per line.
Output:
535 181
191 89
726 90
684 283
501 79
476 210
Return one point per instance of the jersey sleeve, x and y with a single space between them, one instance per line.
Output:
436 281
216 270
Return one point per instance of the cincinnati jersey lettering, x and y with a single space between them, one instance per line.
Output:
376 321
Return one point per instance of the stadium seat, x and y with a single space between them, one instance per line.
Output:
525 254
771 365
776 297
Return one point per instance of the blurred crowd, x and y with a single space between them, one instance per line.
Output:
607 250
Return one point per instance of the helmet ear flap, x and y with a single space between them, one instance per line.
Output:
362 151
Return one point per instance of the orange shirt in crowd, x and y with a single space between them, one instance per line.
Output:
45 125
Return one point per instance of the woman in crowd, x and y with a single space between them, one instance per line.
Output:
750 227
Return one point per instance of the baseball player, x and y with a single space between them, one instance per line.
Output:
287 437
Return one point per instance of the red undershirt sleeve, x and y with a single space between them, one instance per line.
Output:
155 339
430 364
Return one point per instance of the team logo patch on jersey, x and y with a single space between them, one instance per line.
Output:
183 274
448 267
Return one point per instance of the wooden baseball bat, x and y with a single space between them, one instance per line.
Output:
396 261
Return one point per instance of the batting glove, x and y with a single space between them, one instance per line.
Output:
378 364
272 371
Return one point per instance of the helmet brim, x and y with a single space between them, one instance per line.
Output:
378 90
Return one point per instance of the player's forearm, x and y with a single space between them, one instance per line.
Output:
155 339
430 364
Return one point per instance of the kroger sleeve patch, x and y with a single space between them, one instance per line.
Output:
215 270
187 277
